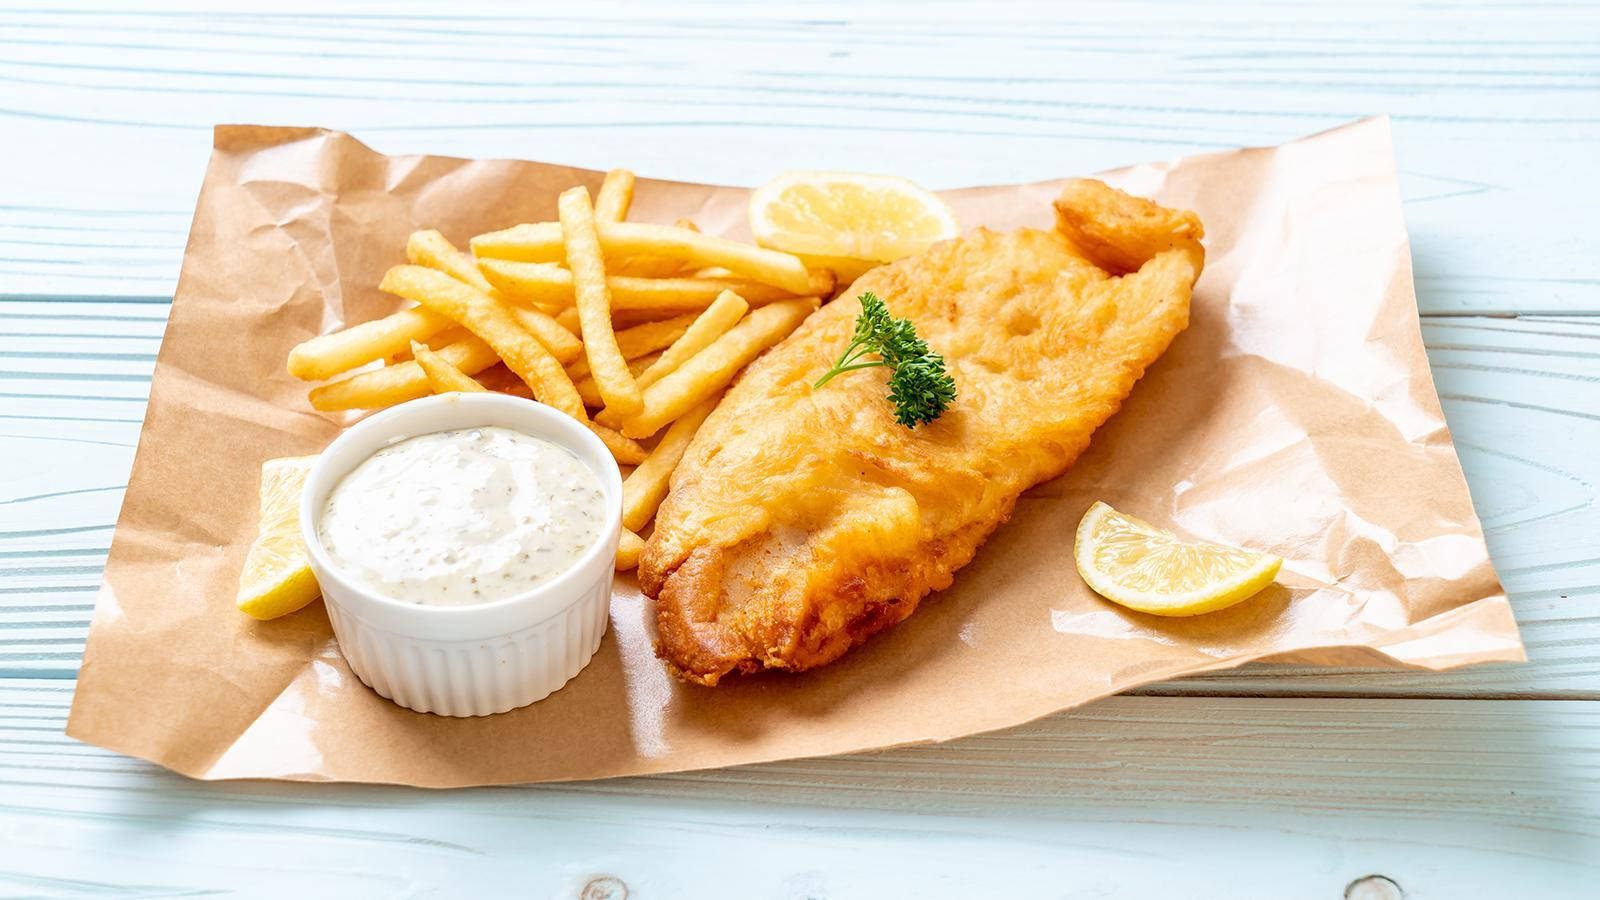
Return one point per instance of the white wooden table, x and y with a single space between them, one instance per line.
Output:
1270 783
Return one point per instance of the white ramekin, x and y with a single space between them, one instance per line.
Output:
467 660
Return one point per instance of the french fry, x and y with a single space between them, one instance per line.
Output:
720 316
497 378
399 383
646 337
823 283
625 319
590 392
710 370
562 344
547 284
582 245
628 550
491 321
646 267
327 355
502 380
434 250
646 486
655 266
542 242
568 319
443 376
626 450
616 195
448 336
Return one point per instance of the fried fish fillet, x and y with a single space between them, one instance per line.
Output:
802 521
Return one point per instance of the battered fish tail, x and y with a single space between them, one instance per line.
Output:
1120 232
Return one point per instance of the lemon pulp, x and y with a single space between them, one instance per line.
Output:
277 579
848 223
1134 564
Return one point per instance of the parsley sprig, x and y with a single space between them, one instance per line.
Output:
919 387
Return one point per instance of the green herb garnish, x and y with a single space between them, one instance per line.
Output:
919 386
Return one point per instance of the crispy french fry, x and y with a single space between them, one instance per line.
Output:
655 266
490 320
823 283
628 550
646 337
582 243
625 319
542 242
503 381
562 344
443 376
590 392
497 378
646 267
528 242
399 383
568 319
626 450
444 338
616 195
646 486
327 355
720 316
434 250
547 284
710 370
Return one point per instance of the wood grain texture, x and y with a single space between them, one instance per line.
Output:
1493 105
1268 782
1216 798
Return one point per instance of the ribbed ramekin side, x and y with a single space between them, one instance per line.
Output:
476 677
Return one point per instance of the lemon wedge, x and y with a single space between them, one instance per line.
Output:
277 578
848 223
1137 565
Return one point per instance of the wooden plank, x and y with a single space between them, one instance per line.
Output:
1507 384
1131 797
78 363
118 108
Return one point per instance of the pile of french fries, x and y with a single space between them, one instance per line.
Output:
644 324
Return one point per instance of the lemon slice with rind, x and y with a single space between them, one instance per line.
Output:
277 579
848 223
1135 564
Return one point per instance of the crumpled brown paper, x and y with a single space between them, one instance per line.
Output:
1297 415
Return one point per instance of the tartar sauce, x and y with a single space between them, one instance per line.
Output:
462 517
